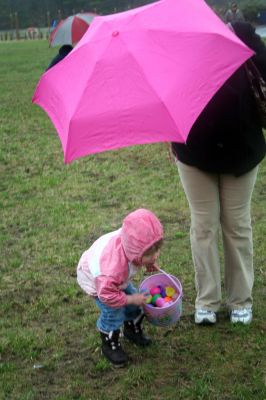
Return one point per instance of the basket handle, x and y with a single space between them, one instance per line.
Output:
169 277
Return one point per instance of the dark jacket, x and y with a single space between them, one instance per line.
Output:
62 53
227 137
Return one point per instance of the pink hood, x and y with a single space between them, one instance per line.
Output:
140 230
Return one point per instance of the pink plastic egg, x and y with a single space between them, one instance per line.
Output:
154 290
159 302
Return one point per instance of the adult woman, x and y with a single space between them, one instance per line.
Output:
218 167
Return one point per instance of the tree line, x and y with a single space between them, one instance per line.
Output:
42 13
26 13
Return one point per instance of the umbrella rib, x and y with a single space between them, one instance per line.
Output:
87 79
82 93
96 62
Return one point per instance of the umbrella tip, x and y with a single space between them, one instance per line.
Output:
115 33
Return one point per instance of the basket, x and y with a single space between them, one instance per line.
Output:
167 315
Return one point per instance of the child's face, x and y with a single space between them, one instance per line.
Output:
150 259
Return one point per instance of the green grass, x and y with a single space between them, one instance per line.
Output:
50 213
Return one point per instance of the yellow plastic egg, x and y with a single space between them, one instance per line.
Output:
169 291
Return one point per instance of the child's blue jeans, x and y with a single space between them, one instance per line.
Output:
112 319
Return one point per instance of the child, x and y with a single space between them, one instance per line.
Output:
104 271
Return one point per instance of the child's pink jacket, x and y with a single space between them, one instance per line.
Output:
103 269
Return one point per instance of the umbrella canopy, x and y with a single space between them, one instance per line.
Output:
71 29
141 76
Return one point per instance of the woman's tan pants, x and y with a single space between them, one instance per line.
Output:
220 201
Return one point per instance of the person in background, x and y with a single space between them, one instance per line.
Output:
218 167
104 272
62 53
233 14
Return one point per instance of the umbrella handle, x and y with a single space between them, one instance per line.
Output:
171 279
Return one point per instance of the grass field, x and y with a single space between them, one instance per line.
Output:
50 213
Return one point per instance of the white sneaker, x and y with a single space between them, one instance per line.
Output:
205 317
242 315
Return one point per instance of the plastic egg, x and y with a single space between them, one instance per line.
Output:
154 290
169 291
159 302
148 300
154 298
167 299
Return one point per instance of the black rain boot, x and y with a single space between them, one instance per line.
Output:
112 349
133 331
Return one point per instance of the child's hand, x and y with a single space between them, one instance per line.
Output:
152 268
138 299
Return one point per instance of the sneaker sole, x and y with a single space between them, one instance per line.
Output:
241 322
205 321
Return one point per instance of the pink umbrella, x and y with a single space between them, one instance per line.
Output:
71 29
141 76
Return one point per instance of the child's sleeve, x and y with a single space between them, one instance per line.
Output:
109 292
